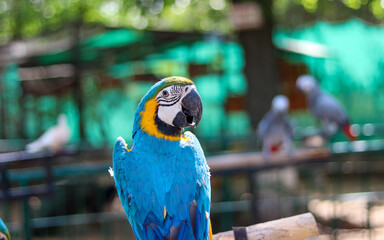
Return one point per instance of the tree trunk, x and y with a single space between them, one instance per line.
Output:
260 65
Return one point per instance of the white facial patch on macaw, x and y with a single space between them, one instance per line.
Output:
306 83
169 100
168 113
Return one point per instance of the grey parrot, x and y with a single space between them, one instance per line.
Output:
325 108
275 129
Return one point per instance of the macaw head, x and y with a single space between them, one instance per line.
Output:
280 103
171 105
306 84
4 233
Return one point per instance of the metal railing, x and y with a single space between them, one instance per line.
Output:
240 195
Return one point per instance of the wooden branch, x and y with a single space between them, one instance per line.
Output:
298 227
234 161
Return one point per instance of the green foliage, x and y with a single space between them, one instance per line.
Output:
291 13
27 18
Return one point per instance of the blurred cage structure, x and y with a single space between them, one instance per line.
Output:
99 84
97 81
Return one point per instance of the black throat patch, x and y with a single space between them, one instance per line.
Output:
166 128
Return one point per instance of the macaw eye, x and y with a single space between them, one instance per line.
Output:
165 93
186 89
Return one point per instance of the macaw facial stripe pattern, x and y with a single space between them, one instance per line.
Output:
170 95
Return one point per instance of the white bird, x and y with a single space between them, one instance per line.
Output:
53 139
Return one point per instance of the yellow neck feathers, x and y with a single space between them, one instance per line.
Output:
148 122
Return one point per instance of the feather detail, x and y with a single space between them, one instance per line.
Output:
210 231
148 122
349 132
110 170
275 147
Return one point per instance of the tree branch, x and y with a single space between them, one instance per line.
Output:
298 227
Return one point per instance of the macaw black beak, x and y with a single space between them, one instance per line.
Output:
192 109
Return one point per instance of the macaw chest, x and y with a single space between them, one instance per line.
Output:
161 180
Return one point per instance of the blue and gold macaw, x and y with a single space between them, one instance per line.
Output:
4 233
163 181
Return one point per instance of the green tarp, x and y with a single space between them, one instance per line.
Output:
353 68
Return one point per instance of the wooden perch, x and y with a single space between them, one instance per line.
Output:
298 227
235 161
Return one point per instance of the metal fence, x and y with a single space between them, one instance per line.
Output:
83 202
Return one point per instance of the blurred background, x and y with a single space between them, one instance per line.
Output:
94 60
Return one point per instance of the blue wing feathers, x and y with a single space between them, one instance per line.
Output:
150 233
148 181
181 231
